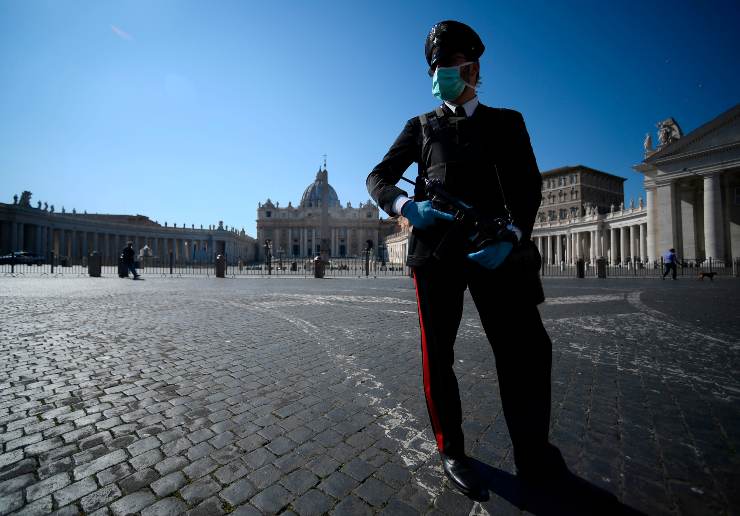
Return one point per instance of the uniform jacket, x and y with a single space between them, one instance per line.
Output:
470 148
128 255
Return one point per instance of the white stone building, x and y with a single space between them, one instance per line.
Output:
692 185
295 231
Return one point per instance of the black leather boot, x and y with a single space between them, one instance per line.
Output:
463 476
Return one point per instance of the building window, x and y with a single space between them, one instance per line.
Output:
268 214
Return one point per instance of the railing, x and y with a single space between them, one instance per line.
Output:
636 268
170 267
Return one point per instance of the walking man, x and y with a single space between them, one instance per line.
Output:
670 262
128 259
483 156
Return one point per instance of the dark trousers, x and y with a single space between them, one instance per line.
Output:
521 347
131 267
670 267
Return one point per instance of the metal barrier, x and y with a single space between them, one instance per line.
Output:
169 267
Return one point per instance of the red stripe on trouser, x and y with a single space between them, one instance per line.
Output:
436 427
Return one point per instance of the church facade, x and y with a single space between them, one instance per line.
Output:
295 231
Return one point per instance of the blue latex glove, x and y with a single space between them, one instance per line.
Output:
493 255
421 214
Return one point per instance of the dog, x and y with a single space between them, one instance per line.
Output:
709 275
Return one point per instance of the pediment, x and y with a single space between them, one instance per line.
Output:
719 132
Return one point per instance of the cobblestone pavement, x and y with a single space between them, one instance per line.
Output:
303 396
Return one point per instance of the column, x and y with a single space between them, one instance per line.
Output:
21 237
713 237
313 242
568 248
651 254
84 244
613 245
558 249
623 249
631 243
38 237
666 213
643 242
289 250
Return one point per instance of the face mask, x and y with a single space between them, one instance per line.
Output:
447 83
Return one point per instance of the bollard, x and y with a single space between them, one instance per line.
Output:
94 264
172 262
319 267
220 266
581 268
12 262
52 262
601 268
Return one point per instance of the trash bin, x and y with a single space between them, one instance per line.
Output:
601 268
122 269
581 268
94 264
220 266
319 267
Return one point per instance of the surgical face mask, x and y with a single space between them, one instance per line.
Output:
447 83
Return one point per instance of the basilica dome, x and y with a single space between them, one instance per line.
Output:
312 195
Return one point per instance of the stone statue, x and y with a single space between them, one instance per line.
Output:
611 208
63 210
640 203
25 200
632 203
668 132
85 212
201 226
220 224
15 199
46 206
51 209
39 205
647 144
165 223
621 206
74 211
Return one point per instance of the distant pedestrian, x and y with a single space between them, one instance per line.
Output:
670 261
128 259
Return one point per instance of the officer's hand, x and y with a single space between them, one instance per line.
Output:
493 255
421 214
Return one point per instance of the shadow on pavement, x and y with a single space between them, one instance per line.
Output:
571 495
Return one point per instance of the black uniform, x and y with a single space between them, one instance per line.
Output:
463 151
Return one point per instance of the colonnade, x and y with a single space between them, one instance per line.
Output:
43 239
619 244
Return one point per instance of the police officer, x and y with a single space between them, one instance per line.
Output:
483 156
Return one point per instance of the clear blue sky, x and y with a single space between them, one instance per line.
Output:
193 112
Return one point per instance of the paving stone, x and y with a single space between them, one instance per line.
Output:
18 468
200 468
99 464
313 502
351 506
146 459
101 497
43 505
132 503
166 507
199 490
171 464
16 484
211 506
47 486
169 483
338 484
238 492
374 492
143 445
272 499
265 476
299 481
114 473
358 469
11 502
75 491
138 480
